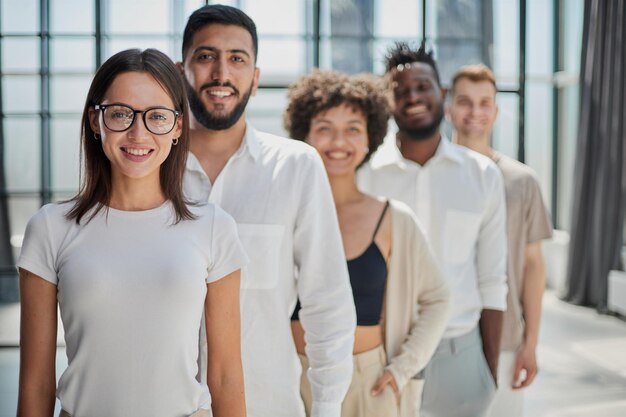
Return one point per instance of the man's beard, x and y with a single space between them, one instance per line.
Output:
422 133
208 120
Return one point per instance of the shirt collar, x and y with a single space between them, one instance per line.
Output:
389 153
249 144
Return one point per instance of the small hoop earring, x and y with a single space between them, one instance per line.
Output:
97 136
174 141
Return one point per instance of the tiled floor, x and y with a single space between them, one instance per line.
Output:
582 364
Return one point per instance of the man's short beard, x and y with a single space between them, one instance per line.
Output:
211 121
422 133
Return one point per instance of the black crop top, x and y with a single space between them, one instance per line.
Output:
368 277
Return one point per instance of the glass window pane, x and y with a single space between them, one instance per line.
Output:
20 54
397 19
326 54
573 11
72 16
118 44
72 54
22 153
539 30
192 5
538 136
454 53
19 16
21 94
505 131
67 93
21 209
268 124
263 12
65 153
506 42
265 110
281 61
138 16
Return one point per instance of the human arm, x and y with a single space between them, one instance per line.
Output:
38 333
327 315
224 369
490 324
491 259
532 294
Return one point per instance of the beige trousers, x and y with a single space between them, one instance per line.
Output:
368 367
200 413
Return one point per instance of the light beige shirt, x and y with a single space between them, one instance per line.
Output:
527 222
458 197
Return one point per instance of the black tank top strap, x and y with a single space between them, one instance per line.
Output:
380 220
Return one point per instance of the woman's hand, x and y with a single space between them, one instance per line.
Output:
386 379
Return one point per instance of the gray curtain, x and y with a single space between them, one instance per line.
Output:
600 182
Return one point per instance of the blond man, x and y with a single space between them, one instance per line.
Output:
472 110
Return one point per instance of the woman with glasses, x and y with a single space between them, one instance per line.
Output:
133 269
400 297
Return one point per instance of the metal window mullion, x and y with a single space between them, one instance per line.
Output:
46 182
424 20
317 19
98 31
521 150
557 62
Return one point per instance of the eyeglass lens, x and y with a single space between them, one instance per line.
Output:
158 121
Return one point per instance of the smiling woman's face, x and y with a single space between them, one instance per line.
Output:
339 134
136 152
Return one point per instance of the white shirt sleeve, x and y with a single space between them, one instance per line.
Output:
227 254
38 254
328 315
491 249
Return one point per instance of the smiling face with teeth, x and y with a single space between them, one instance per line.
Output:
419 101
135 153
473 109
339 134
220 71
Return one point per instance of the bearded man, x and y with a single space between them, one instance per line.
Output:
458 195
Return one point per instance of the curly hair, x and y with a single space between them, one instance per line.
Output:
401 53
320 91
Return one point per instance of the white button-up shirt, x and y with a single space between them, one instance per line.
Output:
277 191
458 196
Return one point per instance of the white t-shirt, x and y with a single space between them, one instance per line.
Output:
131 291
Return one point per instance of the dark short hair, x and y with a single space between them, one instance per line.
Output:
323 90
96 184
218 14
401 54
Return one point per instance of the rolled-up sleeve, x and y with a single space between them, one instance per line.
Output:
327 315
491 247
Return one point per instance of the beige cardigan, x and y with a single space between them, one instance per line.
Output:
416 306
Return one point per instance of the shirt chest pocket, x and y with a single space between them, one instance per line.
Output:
262 243
460 235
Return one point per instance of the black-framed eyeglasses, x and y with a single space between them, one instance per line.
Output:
120 117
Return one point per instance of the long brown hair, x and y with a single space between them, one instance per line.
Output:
95 189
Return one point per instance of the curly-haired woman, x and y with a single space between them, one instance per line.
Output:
400 296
